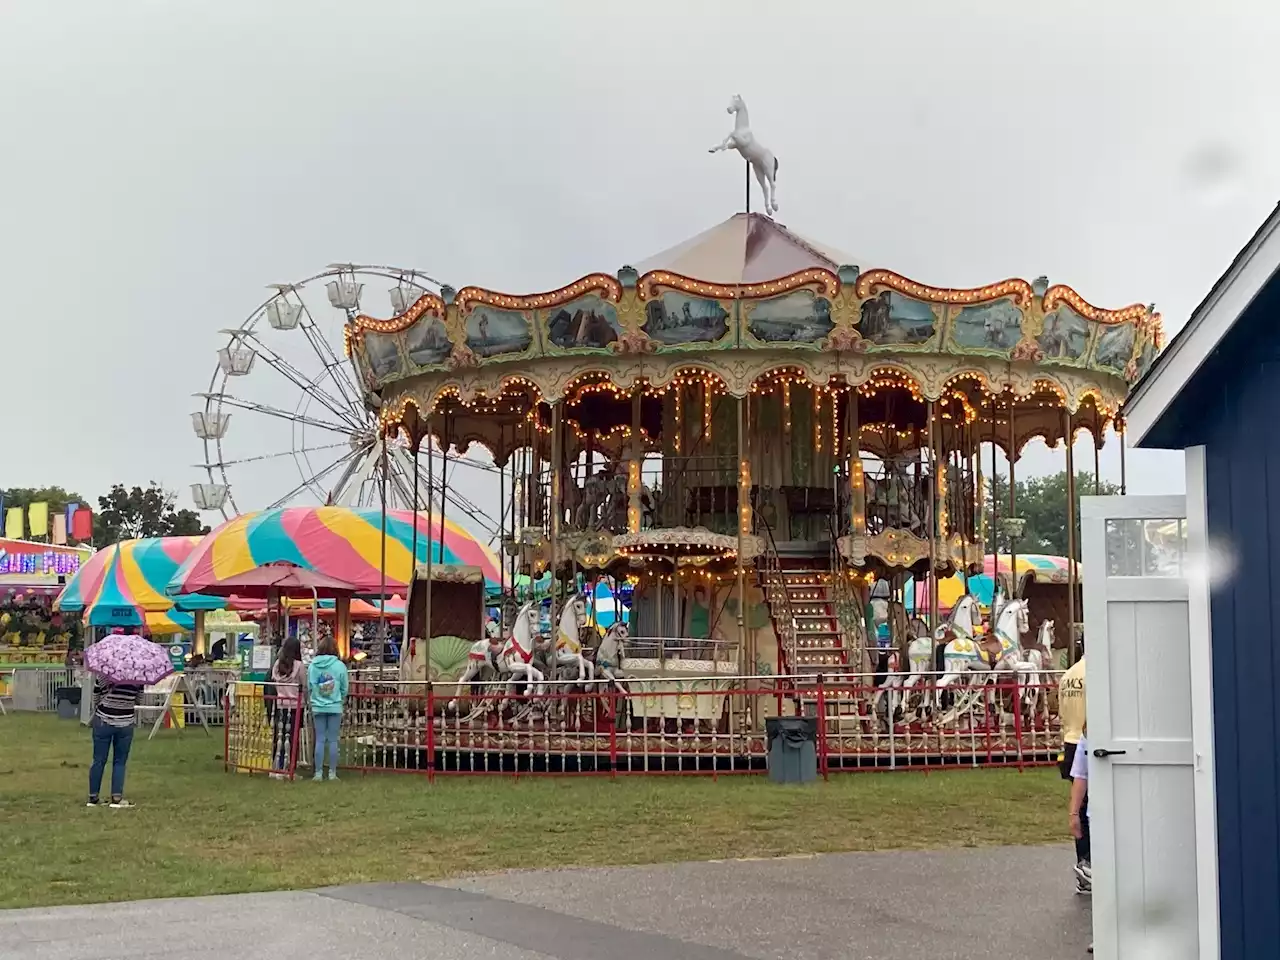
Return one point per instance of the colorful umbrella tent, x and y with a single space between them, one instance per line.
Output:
1042 567
338 542
124 585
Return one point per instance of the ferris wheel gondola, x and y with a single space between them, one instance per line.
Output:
284 395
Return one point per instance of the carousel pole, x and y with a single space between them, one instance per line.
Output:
1071 541
412 563
502 525
382 564
444 484
1124 486
1013 501
1097 468
995 508
431 553
744 466
557 452
933 520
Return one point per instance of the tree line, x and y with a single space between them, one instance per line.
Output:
122 514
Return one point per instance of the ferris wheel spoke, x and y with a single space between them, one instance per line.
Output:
311 482
273 456
267 409
333 365
309 386
353 480
472 512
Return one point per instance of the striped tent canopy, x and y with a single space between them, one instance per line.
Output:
124 585
1042 567
339 542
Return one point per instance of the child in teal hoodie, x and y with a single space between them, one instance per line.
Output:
327 688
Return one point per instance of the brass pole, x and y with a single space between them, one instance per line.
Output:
1013 499
1071 541
933 522
431 551
557 452
1124 486
743 508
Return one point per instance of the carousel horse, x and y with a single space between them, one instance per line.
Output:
516 659
484 654
612 652
962 654
763 163
567 651
901 688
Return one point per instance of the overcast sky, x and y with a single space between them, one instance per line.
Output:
164 161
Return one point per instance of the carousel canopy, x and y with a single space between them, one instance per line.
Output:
746 248
338 542
124 585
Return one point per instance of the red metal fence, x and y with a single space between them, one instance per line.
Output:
709 726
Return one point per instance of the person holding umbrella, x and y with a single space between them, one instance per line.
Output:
123 664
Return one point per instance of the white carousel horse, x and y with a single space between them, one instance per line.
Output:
483 653
763 162
963 654
517 655
567 651
899 686
612 652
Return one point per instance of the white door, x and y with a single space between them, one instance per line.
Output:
1138 688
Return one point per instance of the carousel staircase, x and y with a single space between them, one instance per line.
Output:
803 597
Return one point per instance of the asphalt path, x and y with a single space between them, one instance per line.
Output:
944 905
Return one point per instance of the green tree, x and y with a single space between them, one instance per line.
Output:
125 513
1042 503
56 497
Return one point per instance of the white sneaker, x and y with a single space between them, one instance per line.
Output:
1084 877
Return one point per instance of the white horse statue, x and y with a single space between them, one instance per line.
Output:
762 161
517 655
567 651
483 653
963 653
612 652
898 686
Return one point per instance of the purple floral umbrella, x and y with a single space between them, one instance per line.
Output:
126 658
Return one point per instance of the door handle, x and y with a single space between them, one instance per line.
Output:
1102 753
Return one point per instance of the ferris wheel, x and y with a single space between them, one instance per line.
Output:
286 419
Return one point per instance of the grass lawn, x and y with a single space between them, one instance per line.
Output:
198 830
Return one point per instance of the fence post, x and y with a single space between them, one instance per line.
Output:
296 730
226 731
431 733
1017 715
613 732
822 727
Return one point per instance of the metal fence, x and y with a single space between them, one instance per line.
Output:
35 688
701 725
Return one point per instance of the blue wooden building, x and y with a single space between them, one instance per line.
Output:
1215 393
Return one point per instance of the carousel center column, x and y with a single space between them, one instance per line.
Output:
635 461
746 659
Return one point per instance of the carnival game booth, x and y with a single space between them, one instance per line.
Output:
751 416
32 632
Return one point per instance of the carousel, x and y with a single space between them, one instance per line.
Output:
755 431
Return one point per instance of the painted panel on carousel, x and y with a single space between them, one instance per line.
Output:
588 323
1115 347
427 342
891 320
799 317
1065 336
994 327
492 332
677 319
383 355
1146 357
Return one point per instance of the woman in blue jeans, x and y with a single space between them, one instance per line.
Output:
327 688
112 736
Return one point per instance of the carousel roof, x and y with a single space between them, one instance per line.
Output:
746 248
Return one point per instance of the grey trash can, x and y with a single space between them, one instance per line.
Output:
68 702
793 749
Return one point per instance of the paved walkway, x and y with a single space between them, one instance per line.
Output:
952 905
